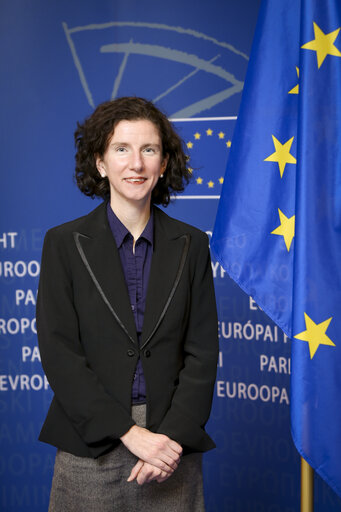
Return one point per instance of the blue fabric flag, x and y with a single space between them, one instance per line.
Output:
278 226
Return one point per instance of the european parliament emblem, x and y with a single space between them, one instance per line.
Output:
185 71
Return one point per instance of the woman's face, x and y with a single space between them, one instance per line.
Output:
132 162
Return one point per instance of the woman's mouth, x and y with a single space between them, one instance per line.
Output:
135 181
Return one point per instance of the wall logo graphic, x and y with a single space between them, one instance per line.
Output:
184 69
208 141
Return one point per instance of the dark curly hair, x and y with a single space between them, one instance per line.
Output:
93 136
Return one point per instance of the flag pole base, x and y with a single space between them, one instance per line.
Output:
307 487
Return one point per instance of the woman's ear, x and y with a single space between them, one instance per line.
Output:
100 166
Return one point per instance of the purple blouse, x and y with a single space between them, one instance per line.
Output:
136 270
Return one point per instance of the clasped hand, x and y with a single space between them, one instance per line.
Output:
158 455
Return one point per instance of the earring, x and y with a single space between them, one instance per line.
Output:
161 175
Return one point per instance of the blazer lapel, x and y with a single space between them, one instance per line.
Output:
99 253
100 256
169 257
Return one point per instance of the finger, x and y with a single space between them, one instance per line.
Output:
173 448
150 473
176 447
135 471
165 460
174 455
145 475
163 477
171 460
169 467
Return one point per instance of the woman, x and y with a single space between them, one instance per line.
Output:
127 325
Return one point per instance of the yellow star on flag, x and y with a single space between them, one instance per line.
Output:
315 334
228 143
221 135
209 132
221 180
199 181
210 184
286 228
294 90
197 136
323 44
190 169
189 145
282 154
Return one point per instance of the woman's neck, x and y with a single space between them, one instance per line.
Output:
133 216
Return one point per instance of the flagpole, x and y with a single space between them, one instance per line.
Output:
307 487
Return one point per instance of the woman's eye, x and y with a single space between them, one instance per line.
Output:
121 149
149 150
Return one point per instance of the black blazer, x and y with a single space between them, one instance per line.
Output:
88 343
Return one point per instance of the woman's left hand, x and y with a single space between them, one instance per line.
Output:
143 473
156 449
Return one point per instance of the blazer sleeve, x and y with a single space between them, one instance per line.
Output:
191 403
97 417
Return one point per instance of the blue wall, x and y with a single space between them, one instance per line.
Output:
59 59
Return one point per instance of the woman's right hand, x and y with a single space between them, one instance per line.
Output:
156 449
144 473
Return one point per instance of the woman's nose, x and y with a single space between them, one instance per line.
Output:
136 161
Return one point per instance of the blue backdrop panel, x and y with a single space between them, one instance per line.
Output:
60 59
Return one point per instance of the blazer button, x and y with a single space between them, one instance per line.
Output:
130 352
147 353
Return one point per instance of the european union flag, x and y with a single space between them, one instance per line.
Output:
278 227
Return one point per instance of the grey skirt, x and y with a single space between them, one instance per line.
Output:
100 485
